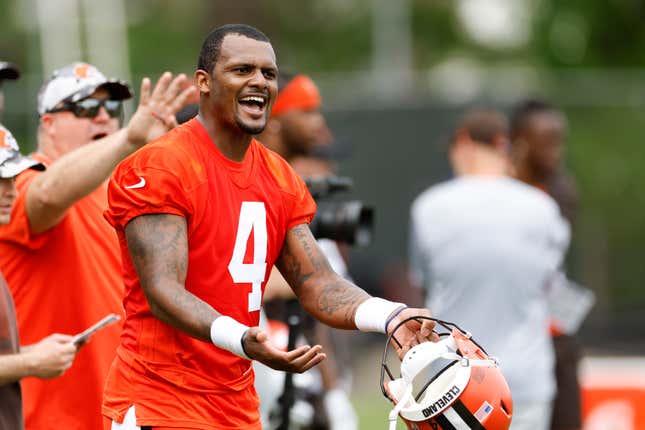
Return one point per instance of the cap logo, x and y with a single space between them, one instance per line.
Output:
81 71
3 139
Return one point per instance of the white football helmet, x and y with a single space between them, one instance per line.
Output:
448 385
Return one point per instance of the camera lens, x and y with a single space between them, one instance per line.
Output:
348 221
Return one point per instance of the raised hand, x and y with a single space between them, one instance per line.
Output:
258 347
413 332
50 357
155 114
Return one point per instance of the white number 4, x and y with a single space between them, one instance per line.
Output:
252 218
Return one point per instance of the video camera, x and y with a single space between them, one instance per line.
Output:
350 221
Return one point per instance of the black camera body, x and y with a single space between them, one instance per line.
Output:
349 221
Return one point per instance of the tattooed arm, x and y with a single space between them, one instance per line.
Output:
332 299
158 245
324 294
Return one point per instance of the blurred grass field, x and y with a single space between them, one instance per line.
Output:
372 410
370 405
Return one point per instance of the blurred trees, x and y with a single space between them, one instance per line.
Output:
335 35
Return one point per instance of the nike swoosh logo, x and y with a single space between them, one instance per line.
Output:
140 184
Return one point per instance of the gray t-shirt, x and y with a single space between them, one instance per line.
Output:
484 247
10 399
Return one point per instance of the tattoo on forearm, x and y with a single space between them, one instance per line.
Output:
302 260
341 296
153 239
292 266
307 242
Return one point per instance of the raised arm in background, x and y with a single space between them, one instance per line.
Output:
82 170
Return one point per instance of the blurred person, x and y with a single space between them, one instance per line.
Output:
60 257
296 129
482 246
211 213
296 126
49 357
538 131
7 71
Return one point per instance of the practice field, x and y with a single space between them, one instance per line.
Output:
372 412
372 408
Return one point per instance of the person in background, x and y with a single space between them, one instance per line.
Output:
482 246
297 125
60 257
538 132
51 356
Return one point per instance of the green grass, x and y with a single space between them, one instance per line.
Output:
372 410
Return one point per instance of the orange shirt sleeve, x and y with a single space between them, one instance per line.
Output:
142 185
299 204
18 230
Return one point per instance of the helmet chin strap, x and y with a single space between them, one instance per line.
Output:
394 413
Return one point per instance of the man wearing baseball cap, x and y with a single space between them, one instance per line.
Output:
61 259
297 126
50 356
7 71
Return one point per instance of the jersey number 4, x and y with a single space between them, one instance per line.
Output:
253 217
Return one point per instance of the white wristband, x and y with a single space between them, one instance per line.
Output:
372 314
227 334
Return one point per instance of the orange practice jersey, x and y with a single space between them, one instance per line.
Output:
237 216
63 281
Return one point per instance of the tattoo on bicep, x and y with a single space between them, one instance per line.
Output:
308 243
158 246
342 296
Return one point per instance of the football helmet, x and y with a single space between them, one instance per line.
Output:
452 384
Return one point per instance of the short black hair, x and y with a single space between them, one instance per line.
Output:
209 53
524 109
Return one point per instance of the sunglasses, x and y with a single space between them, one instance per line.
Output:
89 108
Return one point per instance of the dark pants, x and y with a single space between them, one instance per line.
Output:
566 406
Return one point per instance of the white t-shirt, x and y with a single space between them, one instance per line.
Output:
484 247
